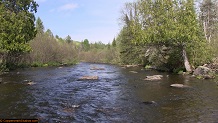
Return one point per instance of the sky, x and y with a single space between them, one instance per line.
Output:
95 20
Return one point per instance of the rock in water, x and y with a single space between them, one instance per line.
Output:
179 86
89 78
95 68
75 106
149 102
204 72
154 77
31 83
133 72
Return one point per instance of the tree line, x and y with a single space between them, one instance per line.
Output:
25 42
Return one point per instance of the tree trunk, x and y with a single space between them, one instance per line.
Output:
205 31
186 62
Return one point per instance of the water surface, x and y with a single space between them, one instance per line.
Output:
118 96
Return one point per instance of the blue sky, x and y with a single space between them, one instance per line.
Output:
95 20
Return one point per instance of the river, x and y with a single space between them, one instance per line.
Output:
120 95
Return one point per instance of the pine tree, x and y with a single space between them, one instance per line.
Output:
39 26
17 28
68 39
114 42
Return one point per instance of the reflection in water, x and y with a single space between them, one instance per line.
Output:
119 95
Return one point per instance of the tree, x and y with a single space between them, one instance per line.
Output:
17 24
166 23
57 37
68 39
39 26
17 27
86 45
49 33
108 46
209 18
114 42
130 51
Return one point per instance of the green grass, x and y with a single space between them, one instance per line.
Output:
148 67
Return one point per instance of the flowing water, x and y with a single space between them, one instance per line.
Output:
120 95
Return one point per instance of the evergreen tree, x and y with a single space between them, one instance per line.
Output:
17 28
130 51
39 26
49 33
68 39
114 42
17 25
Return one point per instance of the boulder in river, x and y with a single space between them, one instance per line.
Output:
88 78
31 83
154 77
179 86
204 72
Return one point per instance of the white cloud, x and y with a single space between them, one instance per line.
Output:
68 7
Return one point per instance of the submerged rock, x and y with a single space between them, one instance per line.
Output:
154 77
133 72
149 102
179 86
89 78
204 72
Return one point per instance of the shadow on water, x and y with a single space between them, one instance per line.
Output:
119 95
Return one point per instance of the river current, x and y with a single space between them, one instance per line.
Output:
120 95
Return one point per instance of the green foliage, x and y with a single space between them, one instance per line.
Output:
50 51
3 67
17 28
130 53
86 45
159 23
36 64
114 43
49 33
148 67
180 72
68 39
99 53
39 26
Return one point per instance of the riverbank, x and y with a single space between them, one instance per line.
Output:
36 64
